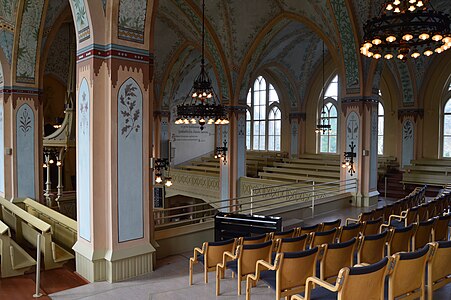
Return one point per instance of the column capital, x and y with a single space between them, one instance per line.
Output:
359 102
298 116
22 92
410 112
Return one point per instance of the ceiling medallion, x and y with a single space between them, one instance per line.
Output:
202 104
404 29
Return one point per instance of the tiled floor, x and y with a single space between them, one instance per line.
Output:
170 280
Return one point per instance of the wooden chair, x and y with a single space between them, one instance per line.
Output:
323 237
252 240
326 226
243 261
295 244
424 234
378 213
388 211
352 283
334 257
441 228
407 274
309 229
439 266
406 217
399 239
423 212
345 233
210 255
371 227
283 234
288 274
371 248
365 216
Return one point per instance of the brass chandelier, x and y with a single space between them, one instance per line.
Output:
404 29
202 104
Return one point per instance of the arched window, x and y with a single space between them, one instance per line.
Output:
263 117
447 129
328 139
380 129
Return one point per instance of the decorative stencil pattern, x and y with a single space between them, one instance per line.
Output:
406 82
59 54
132 18
407 142
130 162
25 152
352 135
28 41
84 162
7 42
241 146
54 10
2 151
81 20
8 11
348 44
294 139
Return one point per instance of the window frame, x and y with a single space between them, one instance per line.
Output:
269 108
336 104
447 99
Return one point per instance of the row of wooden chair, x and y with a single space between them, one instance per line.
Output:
406 277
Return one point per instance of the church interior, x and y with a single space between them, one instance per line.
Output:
183 149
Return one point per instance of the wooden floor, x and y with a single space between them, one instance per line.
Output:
52 281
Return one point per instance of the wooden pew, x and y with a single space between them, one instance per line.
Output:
64 229
27 227
14 260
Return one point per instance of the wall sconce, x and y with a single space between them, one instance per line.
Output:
221 153
160 165
348 162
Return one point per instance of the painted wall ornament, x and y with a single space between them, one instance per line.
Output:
132 18
81 20
130 196
28 41
84 162
25 152
407 142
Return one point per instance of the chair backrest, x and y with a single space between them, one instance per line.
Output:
439 265
423 212
283 234
326 226
309 229
397 207
364 282
348 232
215 250
334 257
378 213
371 248
423 234
400 238
372 226
388 211
365 216
252 240
249 254
323 237
295 268
412 215
295 244
441 228
408 271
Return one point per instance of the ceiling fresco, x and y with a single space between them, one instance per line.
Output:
243 38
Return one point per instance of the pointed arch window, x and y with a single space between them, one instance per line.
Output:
263 117
329 139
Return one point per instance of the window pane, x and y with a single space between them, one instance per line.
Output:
256 128
324 143
256 113
262 112
278 127
262 128
333 111
447 146
271 143
262 83
257 84
273 97
333 125
271 128
248 128
249 97
447 125
262 143
380 126
255 145
380 109
262 97
448 107
277 143
333 144
380 145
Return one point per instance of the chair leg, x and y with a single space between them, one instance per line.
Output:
205 274
218 278
239 284
190 272
248 288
